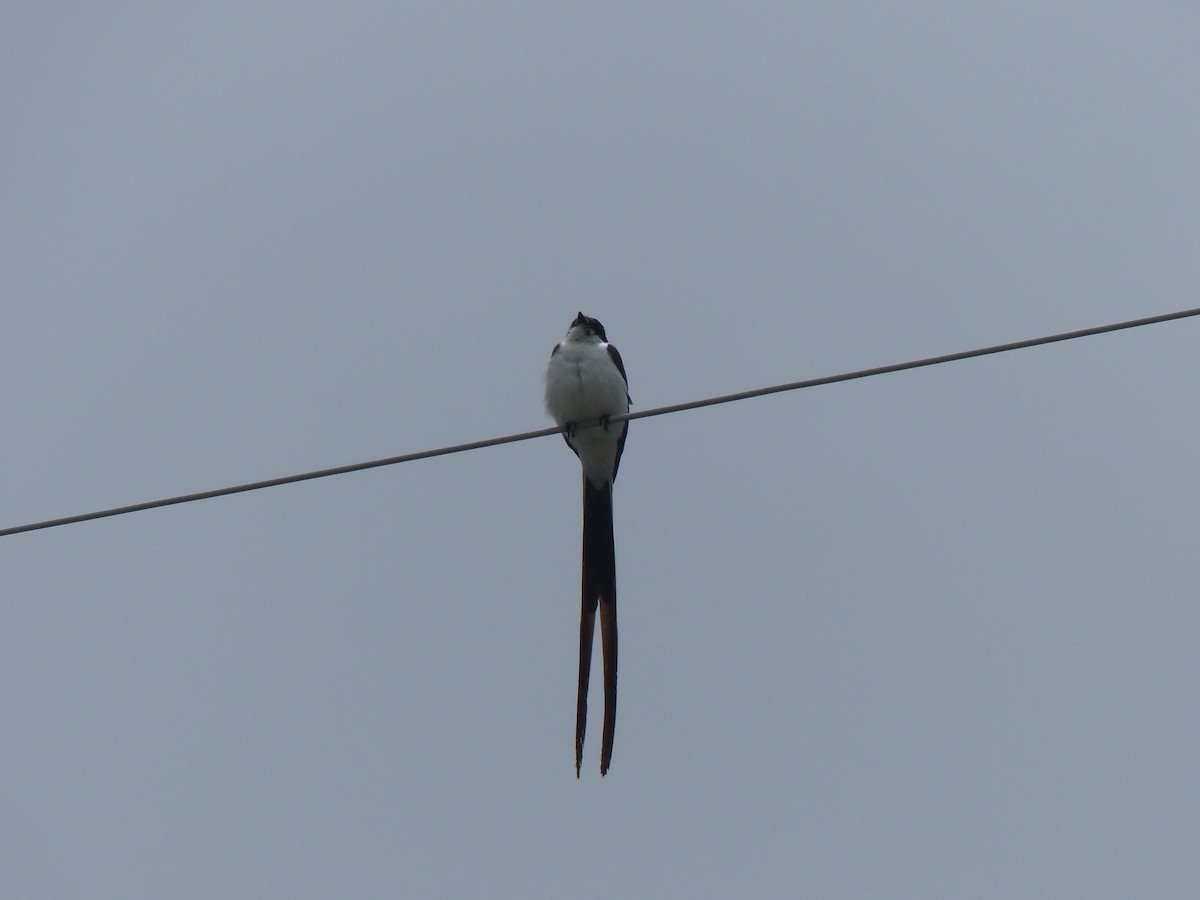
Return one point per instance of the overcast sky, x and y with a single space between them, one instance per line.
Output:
927 635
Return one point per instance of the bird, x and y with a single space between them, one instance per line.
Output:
585 387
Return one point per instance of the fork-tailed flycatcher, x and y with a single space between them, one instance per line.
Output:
585 382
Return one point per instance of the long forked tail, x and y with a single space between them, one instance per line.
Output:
599 591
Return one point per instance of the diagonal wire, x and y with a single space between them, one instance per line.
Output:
641 414
912 364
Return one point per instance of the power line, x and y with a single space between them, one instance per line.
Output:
641 414
913 364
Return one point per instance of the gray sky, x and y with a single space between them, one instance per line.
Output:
926 635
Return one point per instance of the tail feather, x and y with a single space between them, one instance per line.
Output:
587 625
599 590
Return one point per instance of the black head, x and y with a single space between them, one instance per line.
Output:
592 325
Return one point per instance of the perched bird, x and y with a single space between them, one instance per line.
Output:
585 386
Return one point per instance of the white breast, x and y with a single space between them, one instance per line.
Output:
583 384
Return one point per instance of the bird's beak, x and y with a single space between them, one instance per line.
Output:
580 319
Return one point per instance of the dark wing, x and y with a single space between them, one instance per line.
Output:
566 439
615 356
